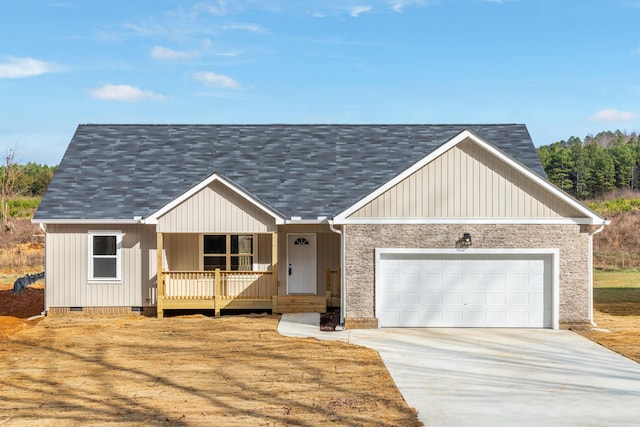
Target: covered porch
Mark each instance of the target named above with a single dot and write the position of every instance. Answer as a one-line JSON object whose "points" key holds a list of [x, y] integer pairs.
{"points": [[220, 248], [250, 281]]}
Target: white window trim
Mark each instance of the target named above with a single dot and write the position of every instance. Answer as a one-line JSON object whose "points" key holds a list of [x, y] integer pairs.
{"points": [[254, 265], [118, 236]]}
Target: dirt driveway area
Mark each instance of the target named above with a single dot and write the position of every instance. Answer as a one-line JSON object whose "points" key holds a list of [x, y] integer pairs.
{"points": [[233, 370]]}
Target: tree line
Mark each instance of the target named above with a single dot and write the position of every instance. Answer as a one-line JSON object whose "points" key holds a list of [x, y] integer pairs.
{"points": [[20, 181], [28, 180], [594, 166]]}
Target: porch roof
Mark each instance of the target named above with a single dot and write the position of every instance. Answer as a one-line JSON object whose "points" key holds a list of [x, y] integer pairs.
{"points": [[118, 172]]}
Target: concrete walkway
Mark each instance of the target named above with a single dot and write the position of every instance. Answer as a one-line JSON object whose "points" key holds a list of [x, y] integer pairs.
{"points": [[495, 377]]}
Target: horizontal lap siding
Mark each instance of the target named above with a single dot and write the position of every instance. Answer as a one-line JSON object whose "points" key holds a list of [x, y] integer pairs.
{"points": [[216, 209], [467, 182], [67, 261]]}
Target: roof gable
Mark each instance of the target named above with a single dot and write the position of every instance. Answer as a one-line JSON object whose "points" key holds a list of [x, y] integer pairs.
{"points": [[468, 178], [190, 211], [119, 172]]}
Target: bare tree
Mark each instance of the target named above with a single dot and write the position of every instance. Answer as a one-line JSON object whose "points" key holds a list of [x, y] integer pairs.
{"points": [[7, 182]]}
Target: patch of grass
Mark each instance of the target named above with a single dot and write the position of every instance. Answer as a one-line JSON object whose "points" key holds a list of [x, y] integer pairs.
{"points": [[616, 295], [612, 287], [616, 279]]}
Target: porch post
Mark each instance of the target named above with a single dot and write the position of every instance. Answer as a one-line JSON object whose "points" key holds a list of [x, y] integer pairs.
{"points": [[160, 275], [274, 263], [218, 293], [274, 270]]}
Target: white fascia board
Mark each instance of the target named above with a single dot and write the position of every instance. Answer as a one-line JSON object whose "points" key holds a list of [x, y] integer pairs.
{"points": [[469, 221], [85, 221], [593, 217], [153, 218], [304, 221]]}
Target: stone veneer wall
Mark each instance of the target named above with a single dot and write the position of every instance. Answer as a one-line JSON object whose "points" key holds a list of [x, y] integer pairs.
{"points": [[362, 240]]}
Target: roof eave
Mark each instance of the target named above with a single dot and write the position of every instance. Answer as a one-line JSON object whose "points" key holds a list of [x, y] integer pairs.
{"points": [[86, 221]]}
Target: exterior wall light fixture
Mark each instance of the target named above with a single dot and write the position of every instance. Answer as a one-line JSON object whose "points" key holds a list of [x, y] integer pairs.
{"points": [[464, 241]]}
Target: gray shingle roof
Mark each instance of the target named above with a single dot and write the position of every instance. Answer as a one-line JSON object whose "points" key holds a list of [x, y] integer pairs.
{"points": [[122, 171]]}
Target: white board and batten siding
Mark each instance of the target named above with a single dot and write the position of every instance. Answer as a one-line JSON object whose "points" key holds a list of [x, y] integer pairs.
{"points": [[473, 288], [67, 263], [216, 209], [466, 182]]}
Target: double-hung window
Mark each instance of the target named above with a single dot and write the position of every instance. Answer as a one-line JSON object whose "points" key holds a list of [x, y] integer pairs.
{"points": [[234, 252], [105, 249]]}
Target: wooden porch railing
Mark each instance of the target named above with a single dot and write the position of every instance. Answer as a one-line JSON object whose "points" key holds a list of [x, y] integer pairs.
{"points": [[225, 284], [216, 290]]}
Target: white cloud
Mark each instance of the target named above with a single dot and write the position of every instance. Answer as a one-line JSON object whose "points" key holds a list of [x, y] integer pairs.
{"points": [[15, 68], [357, 10], [212, 79], [220, 8], [611, 115], [165, 53], [124, 93], [399, 6], [146, 29], [254, 28]]}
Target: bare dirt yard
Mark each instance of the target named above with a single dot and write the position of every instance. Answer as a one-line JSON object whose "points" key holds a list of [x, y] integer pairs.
{"points": [[186, 370]]}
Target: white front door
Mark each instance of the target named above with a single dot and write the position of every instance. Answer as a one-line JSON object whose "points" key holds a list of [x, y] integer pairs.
{"points": [[301, 263]]}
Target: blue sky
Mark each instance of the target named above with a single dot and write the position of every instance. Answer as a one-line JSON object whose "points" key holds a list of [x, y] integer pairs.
{"points": [[563, 67]]}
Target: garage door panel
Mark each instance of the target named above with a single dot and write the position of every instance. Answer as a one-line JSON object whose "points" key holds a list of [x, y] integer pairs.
{"points": [[498, 318], [452, 298], [390, 280], [409, 299], [433, 298], [390, 301], [434, 280], [472, 281], [475, 298], [451, 318], [410, 318], [497, 280], [448, 290], [518, 298], [496, 298]]}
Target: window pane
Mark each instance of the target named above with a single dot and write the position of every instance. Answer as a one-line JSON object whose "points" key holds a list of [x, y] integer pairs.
{"points": [[104, 268], [216, 244], [242, 263], [242, 245], [213, 262], [104, 245], [245, 245]]}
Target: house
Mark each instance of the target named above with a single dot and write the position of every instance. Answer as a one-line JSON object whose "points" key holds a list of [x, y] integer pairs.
{"points": [[398, 225]]}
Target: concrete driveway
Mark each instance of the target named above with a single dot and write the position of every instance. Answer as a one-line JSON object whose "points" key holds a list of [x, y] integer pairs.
{"points": [[491, 377]]}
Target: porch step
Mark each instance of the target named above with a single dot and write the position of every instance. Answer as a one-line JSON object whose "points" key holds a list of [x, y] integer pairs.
{"points": [[300, 304]]}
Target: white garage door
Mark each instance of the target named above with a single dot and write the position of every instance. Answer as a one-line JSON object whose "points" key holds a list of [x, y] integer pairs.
{"points": [[464, 290]]}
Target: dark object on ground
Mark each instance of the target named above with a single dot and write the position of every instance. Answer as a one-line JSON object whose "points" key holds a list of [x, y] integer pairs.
{"points": [[24, 281], [330, 319]]}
